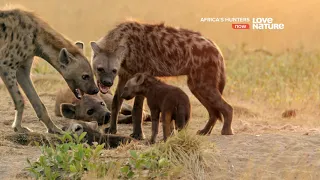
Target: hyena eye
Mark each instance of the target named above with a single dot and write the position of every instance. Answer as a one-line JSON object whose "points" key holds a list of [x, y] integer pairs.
{"points": [[85, 77], [102, 104], [90, 112], [114, 71], [100, 69]]}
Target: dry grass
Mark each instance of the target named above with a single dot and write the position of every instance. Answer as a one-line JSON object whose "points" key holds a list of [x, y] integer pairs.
{"points": [[268, 72], [186, 153]]}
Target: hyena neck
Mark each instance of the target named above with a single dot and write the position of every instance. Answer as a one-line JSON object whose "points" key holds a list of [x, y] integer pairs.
{"points": [[49, 44], [150, 87]]}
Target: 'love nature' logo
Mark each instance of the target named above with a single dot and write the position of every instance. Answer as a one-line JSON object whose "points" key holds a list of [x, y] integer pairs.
{"points": [[265, 23], [244, 23]]}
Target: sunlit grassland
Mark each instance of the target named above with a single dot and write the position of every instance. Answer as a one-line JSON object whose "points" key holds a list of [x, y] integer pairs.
{"points": [[288, 79]]}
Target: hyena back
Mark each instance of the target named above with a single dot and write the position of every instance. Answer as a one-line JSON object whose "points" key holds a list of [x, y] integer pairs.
{"points": [[24, 35], [160, 50]]}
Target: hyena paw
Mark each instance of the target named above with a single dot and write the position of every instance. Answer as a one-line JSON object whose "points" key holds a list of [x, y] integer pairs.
{"points": [[227, 131], [203, 132], [109, 130], [138, 136], [22, 129], [55, 130], [152, 141]]}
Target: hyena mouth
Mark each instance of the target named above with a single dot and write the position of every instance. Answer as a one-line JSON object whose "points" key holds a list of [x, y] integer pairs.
{"points": [[103, 89], [78, 93]]}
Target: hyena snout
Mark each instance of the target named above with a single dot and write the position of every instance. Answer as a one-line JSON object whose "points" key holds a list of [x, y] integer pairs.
{"points": [[107, 82], [106, 120], [74, 129], [126, 95], [94, 90]]}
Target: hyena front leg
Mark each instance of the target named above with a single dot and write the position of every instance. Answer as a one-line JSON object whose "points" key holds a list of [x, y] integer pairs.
{"points": [[213, 114], [23, 77], [116, 106], [155, 125], [137, 118], [8, 76]]}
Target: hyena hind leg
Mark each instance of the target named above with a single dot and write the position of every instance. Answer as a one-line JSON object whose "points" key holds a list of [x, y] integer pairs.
{"points": [[213, 101], [214, 104], [166, 124], [23, 77], [8, 76]]}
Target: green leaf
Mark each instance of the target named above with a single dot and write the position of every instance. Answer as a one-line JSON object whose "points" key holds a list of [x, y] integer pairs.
{"points": [[130, 174], [82, 136], [133, 154], [98, 149], [73, 168], [68, 137], [124, 169], [59, 158]]}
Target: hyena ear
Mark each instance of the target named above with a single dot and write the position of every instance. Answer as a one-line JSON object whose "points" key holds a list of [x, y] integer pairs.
{"points": [[80, 45], [140, 79], [93, 125], [95, 47], [64, 57], [68, 110]]}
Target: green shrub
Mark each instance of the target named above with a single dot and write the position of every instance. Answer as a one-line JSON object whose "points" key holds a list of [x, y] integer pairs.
{"points": [[147, 164], [68, 160], [73, 158]]}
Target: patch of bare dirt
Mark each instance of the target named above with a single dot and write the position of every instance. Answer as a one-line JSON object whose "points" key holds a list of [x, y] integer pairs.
{"points": [[265, 145]]}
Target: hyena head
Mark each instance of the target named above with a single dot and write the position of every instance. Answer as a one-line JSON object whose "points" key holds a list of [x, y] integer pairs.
{"points": [[135, 86], [105, 65], [88, 108], [79, 127], [77, 72]]}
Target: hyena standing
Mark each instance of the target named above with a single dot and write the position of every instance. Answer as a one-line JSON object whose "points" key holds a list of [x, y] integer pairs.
{"points": [[23, 35], [160, 50]]}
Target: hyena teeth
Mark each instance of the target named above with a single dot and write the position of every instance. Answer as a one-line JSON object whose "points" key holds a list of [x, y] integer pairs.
{"points": [[78, 93], [104, 89]]}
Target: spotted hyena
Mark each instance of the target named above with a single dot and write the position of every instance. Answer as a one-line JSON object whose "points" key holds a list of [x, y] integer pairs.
{"points": [[24, 35], [91, 107], [170, 101], [160, 50], [94, 135]]}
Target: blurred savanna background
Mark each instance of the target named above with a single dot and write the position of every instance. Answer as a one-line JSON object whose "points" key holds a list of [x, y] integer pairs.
{"points": [[272, 76]]}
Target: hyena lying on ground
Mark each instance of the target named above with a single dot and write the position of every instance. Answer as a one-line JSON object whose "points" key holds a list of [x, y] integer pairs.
{"points": [[91, 107], [160, 50], [23, 35], [170, 101], [93, 135]]}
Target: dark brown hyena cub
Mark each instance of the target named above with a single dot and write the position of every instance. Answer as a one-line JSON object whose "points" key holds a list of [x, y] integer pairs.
{"points": [[171, 101]]}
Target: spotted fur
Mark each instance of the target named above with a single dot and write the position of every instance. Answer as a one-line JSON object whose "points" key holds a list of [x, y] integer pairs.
{"points": [[24, 35], [161, 50]]}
